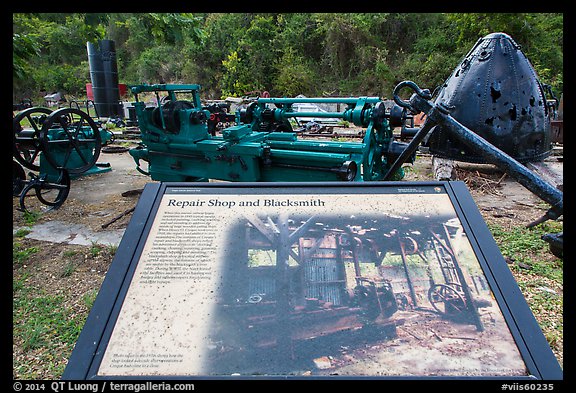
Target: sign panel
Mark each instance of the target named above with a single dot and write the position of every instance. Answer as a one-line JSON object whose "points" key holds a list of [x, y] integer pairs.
{"points": [[308, 280]]}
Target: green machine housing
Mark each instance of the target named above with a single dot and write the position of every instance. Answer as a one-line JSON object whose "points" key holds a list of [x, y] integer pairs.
{"points": [[262, 145]]}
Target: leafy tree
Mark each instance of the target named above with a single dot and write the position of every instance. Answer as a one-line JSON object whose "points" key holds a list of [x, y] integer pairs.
{"points": [[150, 46], [25, 48], [295, 76], [302, 34], [250, 66], [286, 54], [204, 60], [235, 80], [51, 49]]}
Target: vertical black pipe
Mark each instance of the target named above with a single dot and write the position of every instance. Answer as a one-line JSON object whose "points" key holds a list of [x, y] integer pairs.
{"points": [[104, 77]]}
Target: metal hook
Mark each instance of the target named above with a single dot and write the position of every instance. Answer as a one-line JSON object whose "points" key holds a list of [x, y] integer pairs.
{"points": [[412, 85]]}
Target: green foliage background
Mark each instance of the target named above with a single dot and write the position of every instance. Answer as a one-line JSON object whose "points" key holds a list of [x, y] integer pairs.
{"points": [[231, 54]]}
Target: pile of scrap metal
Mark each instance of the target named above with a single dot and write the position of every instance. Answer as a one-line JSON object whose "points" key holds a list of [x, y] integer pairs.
{"points": [[491, 109], [294, 279]]}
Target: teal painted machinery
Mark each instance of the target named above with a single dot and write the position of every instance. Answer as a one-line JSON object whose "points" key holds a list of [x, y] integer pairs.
{"points": [[59, 145], [178, 143]]}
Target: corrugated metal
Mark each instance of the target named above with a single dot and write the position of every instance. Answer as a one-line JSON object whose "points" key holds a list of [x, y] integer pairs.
{"points": [[261, 286], [323, 279]]}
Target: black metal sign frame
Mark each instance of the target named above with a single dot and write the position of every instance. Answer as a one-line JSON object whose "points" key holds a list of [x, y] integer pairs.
{"points": [[89, 356]]}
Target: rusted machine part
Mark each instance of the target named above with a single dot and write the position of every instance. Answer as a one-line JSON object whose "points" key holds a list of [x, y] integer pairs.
{"points": [[447, 299], [557, 130], [439, 114], [557, 123], [409, 245], [496, 93]]}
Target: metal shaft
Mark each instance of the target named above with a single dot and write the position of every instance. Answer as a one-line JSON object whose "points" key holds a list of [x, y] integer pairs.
{"points": [[492, 154], [409, 150], [319, 100]]}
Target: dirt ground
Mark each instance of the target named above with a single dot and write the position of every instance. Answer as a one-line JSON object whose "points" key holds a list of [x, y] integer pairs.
{"points": [[95, 200], [426, 345], [98, 200]]}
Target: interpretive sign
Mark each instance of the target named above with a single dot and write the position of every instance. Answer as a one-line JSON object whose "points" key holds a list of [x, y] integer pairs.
{"points": [[378, 280]]}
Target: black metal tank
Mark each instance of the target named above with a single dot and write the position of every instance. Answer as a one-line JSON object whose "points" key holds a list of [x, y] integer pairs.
{"points": [[495, 92], [104, 76]]}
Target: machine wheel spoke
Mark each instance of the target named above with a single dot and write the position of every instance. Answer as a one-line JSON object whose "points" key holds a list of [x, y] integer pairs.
{"points": [[26, 141], [83, 140]]}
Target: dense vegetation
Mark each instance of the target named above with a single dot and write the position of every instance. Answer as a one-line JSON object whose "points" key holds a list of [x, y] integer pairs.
{"points": [[231, 54]]}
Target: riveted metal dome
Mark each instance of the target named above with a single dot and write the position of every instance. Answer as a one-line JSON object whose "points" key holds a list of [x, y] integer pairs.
{"points": [[495, 92]]}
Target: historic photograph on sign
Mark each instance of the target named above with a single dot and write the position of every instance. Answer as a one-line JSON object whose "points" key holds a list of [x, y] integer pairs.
{"points": [[333, 284]]}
